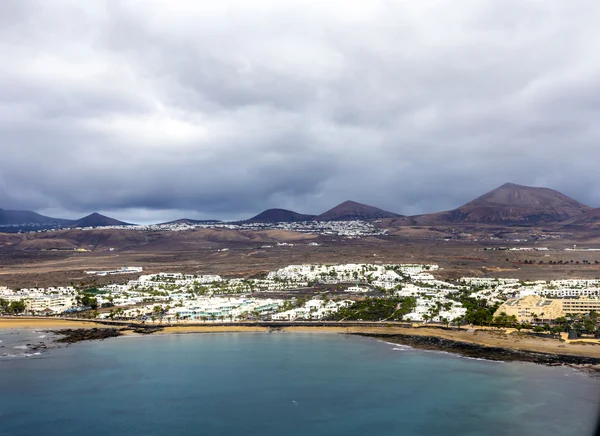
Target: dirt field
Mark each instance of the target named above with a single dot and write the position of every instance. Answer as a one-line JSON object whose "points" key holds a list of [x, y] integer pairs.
{"points": [[51, 259], [48, 268]]}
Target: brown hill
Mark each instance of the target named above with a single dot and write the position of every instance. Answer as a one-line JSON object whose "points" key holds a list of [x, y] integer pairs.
{"points": [[279, 216], [590, 218], [189, 221], [148, 241], [97, 239], [351, 210], [97, 220], [8, 239], [46, 244], [26, 218], [511, 204]]}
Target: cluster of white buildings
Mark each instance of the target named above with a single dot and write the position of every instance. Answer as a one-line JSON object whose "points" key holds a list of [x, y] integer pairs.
{"points": [[193, 298], [204, 309], [433, 303], [175, 296], [500, 289], [312, 310], [175, 283], [380, 276], [43, 300], [437, 309], [124, 270], [349, 229]]}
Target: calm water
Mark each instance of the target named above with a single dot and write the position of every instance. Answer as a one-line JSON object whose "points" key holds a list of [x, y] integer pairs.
{"points": [[284, 384]]}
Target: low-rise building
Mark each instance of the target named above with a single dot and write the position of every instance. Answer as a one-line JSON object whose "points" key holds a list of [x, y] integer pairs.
{"points": [[57, 304], [356, 289], [532, 307], [581, 305]]}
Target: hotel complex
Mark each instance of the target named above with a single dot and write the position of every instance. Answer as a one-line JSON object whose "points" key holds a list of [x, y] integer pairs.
{"points": [[534, 307]]}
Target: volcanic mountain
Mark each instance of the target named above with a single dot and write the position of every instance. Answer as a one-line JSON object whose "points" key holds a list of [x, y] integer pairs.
{"points": [[279, 216], [512, 204], [189, 221], [28, 218], [590, 218], [97, 220], [351, 210]]}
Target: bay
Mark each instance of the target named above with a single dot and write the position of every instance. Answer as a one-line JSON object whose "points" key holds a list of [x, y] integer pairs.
{"points": [[285, 384]]}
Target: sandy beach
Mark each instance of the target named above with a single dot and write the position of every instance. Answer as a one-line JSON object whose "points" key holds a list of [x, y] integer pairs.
{"points": [[44, 323], [508, 339], [491, 338]]}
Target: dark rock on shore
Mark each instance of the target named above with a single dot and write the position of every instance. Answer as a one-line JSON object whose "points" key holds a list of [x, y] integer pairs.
{"points": [[71, 336], [484, 352], [37, 347], [147, 330]]}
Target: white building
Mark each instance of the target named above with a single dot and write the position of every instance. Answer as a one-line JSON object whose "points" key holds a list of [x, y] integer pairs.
{"points": [[356, 289]]}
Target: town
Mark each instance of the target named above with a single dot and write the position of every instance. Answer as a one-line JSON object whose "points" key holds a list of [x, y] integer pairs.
{"points": [[360, 292], [349, 229]]}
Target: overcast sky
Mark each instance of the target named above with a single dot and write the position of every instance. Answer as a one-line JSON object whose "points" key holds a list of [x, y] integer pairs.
{"points": [[155, 110]]}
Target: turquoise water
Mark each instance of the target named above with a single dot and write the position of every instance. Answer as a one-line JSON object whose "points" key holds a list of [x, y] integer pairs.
{"points": [[285, 384]]}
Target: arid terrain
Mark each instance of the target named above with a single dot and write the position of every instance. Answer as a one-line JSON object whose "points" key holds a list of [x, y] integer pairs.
{"points": [[513, 231], [46, 259]]}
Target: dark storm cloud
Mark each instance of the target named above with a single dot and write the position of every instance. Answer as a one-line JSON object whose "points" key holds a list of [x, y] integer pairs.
{"points": [[221, 109]]}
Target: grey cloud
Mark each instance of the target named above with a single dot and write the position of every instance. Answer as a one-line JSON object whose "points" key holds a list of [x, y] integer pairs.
{"points": [[222, 110]]}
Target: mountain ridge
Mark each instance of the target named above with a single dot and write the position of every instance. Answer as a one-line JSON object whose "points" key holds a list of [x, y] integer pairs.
{"points": [[280, 216], [351, 210], [97, 220], [507, 204], [190, 221], [27, 217], [511, 203]]}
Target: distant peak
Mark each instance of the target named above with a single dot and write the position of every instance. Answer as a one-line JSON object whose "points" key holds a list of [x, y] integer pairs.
{"points": [[518, 203], [276, 209], [97, 220], [352, 210], [280, 215]]}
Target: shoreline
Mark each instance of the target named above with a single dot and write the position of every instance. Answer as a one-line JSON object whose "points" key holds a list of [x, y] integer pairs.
{"points": [[590, 365], [488, 344]]}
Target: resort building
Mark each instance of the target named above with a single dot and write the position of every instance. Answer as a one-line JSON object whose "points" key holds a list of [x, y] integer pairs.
{"points": [[581, 305], [54, 304], [571, 292], [532, 307]]}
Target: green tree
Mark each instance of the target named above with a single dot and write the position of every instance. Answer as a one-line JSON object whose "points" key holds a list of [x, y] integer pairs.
{"points": [[16, 307], [89, 301]]}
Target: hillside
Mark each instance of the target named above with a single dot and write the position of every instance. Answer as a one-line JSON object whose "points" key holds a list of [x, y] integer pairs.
{"points": [[28, 218], [351, 210], [279, 216], [97, 220], [126, 239], [189, 221], [590, 218], [511, 204]]}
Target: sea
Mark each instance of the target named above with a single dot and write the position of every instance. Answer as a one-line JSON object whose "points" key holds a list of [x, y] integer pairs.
{"points": [[284, 384]]}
